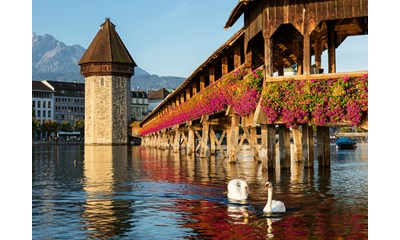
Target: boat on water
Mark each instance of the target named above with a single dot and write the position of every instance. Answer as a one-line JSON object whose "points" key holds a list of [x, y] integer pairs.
{"points": [[346, 143]]}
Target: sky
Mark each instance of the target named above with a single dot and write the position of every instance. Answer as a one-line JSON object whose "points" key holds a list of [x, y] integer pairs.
{"points": [[174, 37], [167, 38]]}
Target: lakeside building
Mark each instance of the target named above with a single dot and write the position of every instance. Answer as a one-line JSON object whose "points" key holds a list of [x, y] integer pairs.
{"points": [[42, 101], [156, 97], [139, 105], [69, 100], [65, 101]]}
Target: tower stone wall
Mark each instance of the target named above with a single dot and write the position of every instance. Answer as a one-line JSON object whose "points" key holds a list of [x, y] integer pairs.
{"points": [[107, 111]]}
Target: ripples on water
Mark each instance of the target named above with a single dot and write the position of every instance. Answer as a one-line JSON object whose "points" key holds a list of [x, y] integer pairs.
{"points": [[120, 192]]}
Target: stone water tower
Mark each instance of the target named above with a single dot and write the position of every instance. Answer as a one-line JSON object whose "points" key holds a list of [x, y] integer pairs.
{"points": [[107, 67]]}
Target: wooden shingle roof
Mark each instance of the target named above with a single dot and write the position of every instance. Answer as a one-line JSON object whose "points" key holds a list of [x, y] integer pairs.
{"points": [[107, 47]]}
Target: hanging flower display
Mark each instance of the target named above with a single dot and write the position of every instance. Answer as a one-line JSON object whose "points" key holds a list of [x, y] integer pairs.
{"points": [[239, 89], [290, 102], [334, 100]]}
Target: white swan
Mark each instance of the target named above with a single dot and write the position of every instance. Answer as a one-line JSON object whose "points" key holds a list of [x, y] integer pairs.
{"points": [[238, 189], [273, 205]]}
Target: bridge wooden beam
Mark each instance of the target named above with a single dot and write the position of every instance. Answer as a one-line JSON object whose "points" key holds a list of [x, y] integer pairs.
{"points": [[251, 136]]}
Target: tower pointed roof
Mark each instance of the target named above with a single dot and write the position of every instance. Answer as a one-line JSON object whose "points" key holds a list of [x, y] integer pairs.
{"points": [[107, 47]]}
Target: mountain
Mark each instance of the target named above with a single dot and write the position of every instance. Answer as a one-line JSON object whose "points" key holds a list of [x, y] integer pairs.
{"points": [[54, 60]]}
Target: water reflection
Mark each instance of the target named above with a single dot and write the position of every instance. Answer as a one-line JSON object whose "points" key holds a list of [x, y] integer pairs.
{"points": [[269, 234], [105, 215], [238, 214], [143, 193]]}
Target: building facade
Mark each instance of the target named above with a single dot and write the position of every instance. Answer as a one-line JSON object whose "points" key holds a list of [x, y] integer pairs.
{"points": [[42, 101], [139, 105], [69, 101], [156, 97]]}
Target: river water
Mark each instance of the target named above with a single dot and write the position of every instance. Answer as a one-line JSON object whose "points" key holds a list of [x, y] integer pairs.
{"points": [[125, 192]]}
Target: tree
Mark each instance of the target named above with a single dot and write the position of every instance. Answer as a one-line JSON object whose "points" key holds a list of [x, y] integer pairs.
{"points": [[35, 126], [79, 126], [50, 126], [65, 126]]}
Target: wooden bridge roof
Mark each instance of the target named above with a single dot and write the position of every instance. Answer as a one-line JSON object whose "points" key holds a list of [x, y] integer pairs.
{"points": [[107, 47], [237, 12]]}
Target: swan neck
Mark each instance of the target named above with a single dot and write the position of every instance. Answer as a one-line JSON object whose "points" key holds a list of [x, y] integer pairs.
{"points": [[269, 202]]}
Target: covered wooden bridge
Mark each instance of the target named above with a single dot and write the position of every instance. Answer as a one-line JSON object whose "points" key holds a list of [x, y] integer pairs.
{"points": [[241, 93]]}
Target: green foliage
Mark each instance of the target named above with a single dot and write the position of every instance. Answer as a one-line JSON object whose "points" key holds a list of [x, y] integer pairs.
{"points": [[65, 126], [79, 126], [50, 126]]}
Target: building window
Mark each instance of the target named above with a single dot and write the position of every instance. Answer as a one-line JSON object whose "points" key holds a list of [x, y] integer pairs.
{"points": [[38, 104], [38, 113], [44, 113], [49, 114], [33, 103], [49, 104], [44, 104]]}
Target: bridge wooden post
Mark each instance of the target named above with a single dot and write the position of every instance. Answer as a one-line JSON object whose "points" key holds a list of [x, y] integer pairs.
{"points": [[158, 142], [323, 146], [263, 149], [228, 139], [254, 143], [205, 136], [191, 142], [297, 151], [177, 139], [150, 141], [233, 141], [307, 145], [271, 146], [163, 142], [167, 139], [154, 140], [284, 147], [250, 132], [170, 136], [212, 141]]}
